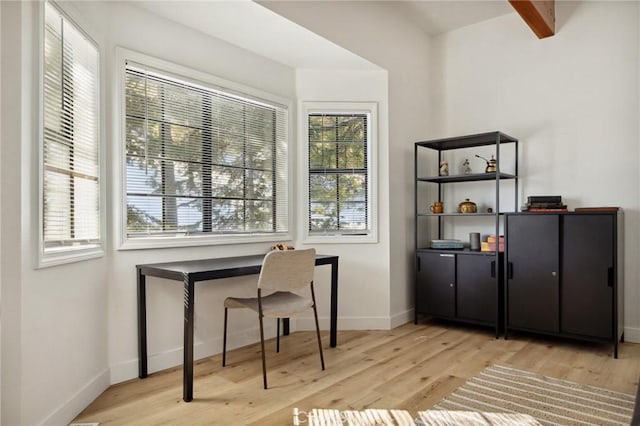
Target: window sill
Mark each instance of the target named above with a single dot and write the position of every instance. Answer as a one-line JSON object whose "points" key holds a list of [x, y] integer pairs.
{"points": [[371, 238], [146, 243], [62, 256]]}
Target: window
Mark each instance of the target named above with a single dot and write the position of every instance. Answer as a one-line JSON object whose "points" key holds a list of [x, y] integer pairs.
{"points": [[201, 161], [339, 139], [70, 157]]}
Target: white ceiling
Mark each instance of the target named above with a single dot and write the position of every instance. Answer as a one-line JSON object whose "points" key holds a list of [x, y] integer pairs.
{"points": [[253, 27], [436, 17]]}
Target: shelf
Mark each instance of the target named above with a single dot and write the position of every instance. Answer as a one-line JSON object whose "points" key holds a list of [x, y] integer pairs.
{"points": [[458, 251], [481, 139], [460, 214], [466, 178]]}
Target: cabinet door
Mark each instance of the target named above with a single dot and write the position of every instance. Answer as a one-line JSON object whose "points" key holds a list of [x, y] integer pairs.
{"points": [[587, 275], [476, 287], [435, 284], [532, 272]]}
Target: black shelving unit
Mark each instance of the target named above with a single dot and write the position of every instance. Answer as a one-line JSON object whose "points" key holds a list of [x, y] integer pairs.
{"points": [[445, 283]]}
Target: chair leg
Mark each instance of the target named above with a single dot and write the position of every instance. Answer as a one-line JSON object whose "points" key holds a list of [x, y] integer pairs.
{"points": [[264, 362], [224, 340], [315, 314], [277, 334]]}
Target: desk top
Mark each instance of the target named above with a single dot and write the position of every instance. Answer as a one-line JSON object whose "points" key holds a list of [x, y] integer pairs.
{"points": [[209, 269]]}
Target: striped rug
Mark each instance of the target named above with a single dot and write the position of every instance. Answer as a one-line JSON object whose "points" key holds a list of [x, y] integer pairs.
{"points": [[550, 401], [384, 417]]}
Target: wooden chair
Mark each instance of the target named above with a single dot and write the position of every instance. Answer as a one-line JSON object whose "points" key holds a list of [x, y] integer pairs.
{"points": [[283, 272]]}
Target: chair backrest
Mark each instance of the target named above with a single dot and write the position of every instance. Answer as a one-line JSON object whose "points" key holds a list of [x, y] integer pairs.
{"points": [[287, 270]]}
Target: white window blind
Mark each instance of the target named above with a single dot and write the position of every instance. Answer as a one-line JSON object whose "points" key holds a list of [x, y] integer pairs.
{"points": [[338, 173], [71, 148], [200, 160]]}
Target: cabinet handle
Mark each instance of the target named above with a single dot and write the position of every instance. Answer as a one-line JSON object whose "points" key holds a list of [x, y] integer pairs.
{"points": [[446, 255], [553, 273], [610, 277], [419, 264], [509, 270], [493, 269], [450, 284]]}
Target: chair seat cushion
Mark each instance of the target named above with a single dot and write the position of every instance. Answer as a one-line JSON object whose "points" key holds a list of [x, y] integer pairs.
{"points": [[281, 304]]}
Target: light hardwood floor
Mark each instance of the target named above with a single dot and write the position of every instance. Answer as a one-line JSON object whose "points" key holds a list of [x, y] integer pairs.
{"points": [[411, 367]]}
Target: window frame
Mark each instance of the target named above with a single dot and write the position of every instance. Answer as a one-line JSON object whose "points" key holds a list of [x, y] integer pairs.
{"points": [[337, 108], [68, 254], [124, 242]]}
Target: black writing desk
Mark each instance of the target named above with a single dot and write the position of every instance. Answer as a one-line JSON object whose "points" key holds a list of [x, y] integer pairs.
{"points": [[191, 271]]}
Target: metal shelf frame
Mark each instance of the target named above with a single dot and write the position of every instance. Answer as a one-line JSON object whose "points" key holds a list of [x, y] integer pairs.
{"points": [[496, 139]]}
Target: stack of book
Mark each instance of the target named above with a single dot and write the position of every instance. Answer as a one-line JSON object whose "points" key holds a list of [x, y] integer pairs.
{"points": [[490, 244], [544, 203], [447, 244]]}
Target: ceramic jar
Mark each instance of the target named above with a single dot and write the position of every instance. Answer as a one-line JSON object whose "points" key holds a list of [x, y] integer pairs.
{"points": [[467, 207]]}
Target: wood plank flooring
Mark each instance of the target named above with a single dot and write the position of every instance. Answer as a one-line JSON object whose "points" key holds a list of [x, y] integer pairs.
{"points": [[411, 367]]}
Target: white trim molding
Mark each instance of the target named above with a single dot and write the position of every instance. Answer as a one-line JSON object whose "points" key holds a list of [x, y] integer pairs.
{"points": [[369, 108]]}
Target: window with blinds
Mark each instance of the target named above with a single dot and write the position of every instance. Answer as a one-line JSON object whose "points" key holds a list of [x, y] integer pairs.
{"points": [[70, 138], [200, 160], [338, 173]]}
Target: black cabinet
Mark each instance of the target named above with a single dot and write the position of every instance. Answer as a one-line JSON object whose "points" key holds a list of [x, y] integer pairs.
{"points": [[476, 288], [436, 289], [460, 286], [588, 275], [532, 273], [564, 274]]}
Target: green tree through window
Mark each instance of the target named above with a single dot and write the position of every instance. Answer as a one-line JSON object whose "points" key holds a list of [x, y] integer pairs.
{"points": [[338, 173], [201, 161]]}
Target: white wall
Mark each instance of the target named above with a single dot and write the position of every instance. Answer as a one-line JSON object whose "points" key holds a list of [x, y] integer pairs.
{"points": [[364, 268], [380, 33], [138, 30], [571, 99], [10, 219], [0, 218], [54, 319]]}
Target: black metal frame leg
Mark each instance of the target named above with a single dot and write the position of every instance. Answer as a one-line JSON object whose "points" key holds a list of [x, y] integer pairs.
{"points": [[142, 325], [187, 368], [333, 332]]}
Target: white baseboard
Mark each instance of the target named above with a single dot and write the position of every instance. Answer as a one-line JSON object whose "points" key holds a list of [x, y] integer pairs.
{"points": [[357, 323], [632, 334], [171, 358], [79, 401], [344, 323], [402, 318], [174, 357]]}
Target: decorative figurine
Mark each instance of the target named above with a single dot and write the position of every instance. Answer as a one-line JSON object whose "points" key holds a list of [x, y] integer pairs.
{"points": [[466, 168], [444, 168]]}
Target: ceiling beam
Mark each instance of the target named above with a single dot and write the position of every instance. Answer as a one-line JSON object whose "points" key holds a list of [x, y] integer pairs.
{"points": [[540, 15]]}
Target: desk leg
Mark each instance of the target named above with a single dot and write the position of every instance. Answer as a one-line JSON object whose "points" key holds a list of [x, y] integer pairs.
{"points": [[142, 325], [187, 367], [333, 333]]}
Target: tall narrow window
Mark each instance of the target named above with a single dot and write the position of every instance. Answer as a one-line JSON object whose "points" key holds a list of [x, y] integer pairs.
{"points": [[339, 155], [202, 161], [70, 139]]}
